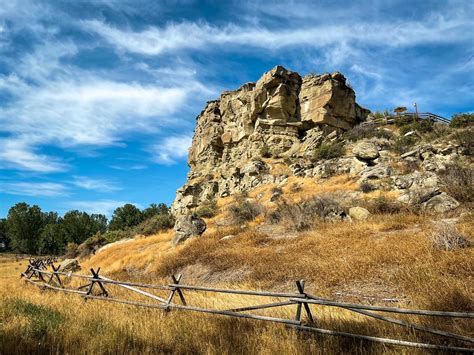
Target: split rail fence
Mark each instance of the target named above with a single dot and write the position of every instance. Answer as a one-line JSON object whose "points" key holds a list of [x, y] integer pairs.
{"points": [[391, 119], [95, 288]]}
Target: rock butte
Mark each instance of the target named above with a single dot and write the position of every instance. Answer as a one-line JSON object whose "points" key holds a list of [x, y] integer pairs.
{"points": [[282, 114]]}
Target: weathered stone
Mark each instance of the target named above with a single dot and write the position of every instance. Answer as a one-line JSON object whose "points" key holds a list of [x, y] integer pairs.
{"points": [[69, 265], [440, 203], [359, 213], [280, 115], [366, 150], [187, 227]]}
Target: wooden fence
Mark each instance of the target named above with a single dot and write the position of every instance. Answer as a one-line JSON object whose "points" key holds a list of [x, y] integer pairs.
{"points": [[95, 288], [391, 119]]}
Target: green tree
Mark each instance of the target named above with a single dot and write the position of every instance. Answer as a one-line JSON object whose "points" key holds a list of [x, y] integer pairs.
{"points": [[78, 226], [155, 210], [4, 239], [125, 217], [24, 227], [52, 240]]}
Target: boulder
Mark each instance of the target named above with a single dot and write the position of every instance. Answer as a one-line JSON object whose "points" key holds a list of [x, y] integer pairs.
{"points": [[188, 227], [366, 150], [440, 203], [359, 213], [69, 265]]}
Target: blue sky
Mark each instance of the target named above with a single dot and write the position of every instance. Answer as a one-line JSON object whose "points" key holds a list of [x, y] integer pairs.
{"points": [[98, 98]]}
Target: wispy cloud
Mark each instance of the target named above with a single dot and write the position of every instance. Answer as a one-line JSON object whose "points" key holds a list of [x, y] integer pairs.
{"points": [[200, 35], [35, 189], [95, 184], [171, 149]]}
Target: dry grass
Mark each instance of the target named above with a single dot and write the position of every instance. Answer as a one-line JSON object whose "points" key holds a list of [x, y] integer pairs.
{"points": [[387, 256]]}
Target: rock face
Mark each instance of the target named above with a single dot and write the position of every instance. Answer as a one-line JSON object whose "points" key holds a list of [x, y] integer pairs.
{"points": [[187, 227], [281, 115]]}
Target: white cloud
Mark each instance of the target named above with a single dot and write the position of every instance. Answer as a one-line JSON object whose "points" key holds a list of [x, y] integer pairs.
{"points": [[36, 189], [95, 184], [105, 207], [171, 149], [18, 153], [200, 35], [63, 106]]}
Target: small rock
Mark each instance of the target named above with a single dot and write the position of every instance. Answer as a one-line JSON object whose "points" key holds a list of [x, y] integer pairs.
{"points": [[366, 151], [69, 265], [411, 153], [227, 237], [359, 213]]}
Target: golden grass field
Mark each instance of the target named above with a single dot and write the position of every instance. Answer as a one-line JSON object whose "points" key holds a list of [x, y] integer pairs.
{"points": [[387, 256]]}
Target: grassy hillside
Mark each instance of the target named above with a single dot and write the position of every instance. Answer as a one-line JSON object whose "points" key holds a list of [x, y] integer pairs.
{"points": [[390, 255]]}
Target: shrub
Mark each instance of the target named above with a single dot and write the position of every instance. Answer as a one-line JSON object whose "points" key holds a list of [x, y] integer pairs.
{"points": [[404, 144], [465, 138], [366, 187], [265, 151], [329, 151], [460, 120], [244, 210], [418, 125], [154, 225], [382, 205], [207, 210], [365, 132], [458, 182], [71, 250], [446, 237], [303, 215]]}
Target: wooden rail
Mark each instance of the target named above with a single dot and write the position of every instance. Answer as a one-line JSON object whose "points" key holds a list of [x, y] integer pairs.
{"points": [[391, 119], [38, 276]]}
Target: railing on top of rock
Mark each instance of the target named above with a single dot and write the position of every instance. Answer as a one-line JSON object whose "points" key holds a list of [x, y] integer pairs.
{"points": [[36, 275], [391, 119]]}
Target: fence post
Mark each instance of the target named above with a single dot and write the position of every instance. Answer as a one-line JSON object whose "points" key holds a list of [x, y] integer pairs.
{"points": [[176, 281], [95, 279], [300, 286]]}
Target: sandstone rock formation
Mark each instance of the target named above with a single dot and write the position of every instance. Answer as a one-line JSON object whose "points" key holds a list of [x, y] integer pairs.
{"points": [[281, 115]]}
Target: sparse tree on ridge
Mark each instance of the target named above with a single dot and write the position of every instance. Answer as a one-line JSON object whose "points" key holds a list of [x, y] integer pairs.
{"points": [[125, 217]]}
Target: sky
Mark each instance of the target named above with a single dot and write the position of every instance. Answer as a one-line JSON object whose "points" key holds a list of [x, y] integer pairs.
{"points": [[98, 98]]}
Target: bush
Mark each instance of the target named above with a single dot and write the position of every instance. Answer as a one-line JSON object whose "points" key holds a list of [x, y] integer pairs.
{"points": [[329, 151], [381, 205], [207, 210], [418, 125], [447, 237], [366, 187], [365, 132], [154, 225], [458, 182], [303, 215], [71, 250], [460, 120], [404, 144], [244, 210], [465, 138]]}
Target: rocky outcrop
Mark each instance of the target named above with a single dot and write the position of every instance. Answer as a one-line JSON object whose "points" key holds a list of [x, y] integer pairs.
{"points": [[281, 115]]}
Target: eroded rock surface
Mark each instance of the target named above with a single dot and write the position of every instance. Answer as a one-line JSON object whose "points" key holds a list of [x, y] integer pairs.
{"points": [[281, 115]]}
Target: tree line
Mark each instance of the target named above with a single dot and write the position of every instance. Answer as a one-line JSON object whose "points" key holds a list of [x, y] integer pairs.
{"points": [[27, 229]]}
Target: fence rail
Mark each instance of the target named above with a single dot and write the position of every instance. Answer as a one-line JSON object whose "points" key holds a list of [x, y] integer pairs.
{"points": [[95, 289], [391, 119]]}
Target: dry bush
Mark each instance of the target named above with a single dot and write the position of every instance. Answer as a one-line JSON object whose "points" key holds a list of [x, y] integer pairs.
{"points": [[366, 132], [383, 205], [329, 151], [301, 216], [244, 210], [207, 210], [366, 187], [458, 182], [446, 237]]}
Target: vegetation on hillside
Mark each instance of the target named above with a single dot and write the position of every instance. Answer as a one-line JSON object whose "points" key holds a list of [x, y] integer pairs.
{"points": [[27, 229]]}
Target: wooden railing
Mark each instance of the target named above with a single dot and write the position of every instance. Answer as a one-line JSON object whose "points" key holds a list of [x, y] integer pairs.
{"points": [[95, 288], [391, 119]]}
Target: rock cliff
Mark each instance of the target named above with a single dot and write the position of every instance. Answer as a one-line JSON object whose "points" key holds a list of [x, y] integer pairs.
{"points": [[282, 115]]}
